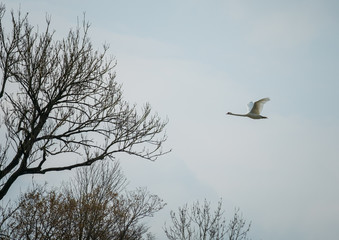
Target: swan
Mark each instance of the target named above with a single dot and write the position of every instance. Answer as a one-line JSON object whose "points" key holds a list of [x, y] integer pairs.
{"points": [[254, 109]]}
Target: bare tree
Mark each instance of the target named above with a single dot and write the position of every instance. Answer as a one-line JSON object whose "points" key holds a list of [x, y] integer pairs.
{"points": [[61, 107], [101, 211], [102, 177], [200, 223], [135, 206], [237, 227]]}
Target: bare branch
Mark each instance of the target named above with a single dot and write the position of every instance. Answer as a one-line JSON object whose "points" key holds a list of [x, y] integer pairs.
{"points": [[200, 223], [60, 99]]}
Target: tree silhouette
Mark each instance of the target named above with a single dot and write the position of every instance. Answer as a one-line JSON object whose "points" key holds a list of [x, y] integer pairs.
{"points": [[199, 222], [61, 107]]}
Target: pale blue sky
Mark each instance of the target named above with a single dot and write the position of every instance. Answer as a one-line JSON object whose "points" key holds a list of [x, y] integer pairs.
{"points": [[196, 60]]}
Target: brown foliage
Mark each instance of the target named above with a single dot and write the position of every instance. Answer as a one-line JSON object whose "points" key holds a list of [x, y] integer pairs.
{"points": [[82, 212]]}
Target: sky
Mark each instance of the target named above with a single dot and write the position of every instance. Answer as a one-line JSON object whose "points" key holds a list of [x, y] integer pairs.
{"points": [[195, 60]]}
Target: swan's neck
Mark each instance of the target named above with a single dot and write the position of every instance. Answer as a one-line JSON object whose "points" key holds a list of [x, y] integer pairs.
{"points": [[235, 114]]}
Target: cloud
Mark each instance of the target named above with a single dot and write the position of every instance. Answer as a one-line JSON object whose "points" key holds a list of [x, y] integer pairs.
{"points": [[283, 29], [276, 25], [281, 172]]}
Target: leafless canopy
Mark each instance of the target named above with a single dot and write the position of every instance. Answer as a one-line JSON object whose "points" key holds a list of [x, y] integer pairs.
{"points": [[201, 223], [61, 107]]}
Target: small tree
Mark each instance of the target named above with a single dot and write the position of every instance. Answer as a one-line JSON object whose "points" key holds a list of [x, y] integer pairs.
{"points": [[200, 223], [59, 100], [132, 208], [101, 211]]}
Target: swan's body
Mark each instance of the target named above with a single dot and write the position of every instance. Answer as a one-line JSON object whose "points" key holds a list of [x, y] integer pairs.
{"points": [[254, 109]]}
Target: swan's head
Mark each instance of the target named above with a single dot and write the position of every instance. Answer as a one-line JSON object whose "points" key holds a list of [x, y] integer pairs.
{"points": [[228, 113]]}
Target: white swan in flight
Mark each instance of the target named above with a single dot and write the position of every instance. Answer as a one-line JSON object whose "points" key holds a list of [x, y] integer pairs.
{"points": [[254, 109]]}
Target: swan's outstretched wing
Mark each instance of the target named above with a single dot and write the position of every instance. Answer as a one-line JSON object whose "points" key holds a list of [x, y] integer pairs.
{"points": [[250, 106], [258, 105]]}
